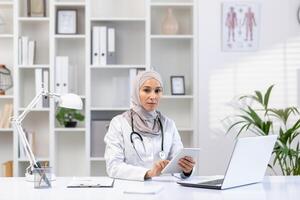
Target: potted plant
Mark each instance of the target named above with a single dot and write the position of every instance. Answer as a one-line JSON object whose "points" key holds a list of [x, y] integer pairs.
{"points": [[257, 117], [68, 117]]}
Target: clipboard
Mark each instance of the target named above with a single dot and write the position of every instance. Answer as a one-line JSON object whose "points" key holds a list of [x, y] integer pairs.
{"points": [[91, 182]]}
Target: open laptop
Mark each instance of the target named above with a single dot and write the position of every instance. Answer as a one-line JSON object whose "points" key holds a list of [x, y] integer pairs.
{"points": [[247, 164]]}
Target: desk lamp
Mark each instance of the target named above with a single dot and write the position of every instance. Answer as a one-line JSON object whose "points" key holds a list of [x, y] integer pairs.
{"points": [[69, 100]]}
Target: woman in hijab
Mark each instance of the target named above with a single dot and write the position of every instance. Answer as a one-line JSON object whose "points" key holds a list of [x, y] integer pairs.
{"points": [[141, 141]]}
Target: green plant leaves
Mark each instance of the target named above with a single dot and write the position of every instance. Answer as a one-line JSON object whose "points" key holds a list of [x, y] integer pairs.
{"points": [[261, 121], [65, 115]]}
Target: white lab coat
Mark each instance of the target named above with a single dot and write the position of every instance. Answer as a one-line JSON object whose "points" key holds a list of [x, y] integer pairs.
{"points": [[122, 160]]}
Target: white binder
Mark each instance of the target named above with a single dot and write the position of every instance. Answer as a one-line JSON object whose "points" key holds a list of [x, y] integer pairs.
{"points": [[65, 74], [61, 74], [46, 86], [103, 45], [24, 50], [20, 50], [31, 52], [96, 45], [38, 85], [111, 45]]}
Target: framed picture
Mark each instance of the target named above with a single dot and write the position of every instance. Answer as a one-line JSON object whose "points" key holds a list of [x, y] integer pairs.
{"points": [[240, 26], [177, 85], [36, 8], [66, 21]]}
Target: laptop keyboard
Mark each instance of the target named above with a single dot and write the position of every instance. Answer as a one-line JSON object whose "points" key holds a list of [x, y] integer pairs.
{"points": [[213, 182]]}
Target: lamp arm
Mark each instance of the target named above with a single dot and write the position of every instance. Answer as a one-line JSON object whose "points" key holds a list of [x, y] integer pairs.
{"points": [[27, 148], [17, 123], [31, 105]]}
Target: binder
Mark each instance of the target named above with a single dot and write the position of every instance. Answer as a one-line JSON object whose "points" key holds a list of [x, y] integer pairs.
{"points": [[20, 51], [46, 86], [31, 52], [65, 74], [111, 46], [96, 45], [24, 50], [103, 45], [38, 86], [57, 75], [61, 74]]}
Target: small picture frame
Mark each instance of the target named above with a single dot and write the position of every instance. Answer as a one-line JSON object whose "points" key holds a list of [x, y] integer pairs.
{"points": [[177, 85], [36, 8], [66, 21]]}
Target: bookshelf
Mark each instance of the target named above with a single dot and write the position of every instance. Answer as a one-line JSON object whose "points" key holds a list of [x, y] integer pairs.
{"points": [[6, 57], [104, 88]]}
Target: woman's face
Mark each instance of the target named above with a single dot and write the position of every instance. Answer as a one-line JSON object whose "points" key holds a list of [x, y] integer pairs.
{"points": [[150, 93]]}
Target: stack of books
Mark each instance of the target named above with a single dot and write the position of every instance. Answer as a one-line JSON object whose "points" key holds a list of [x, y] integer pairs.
{"points": [[26, 51], [7, 169], [5, 115]]}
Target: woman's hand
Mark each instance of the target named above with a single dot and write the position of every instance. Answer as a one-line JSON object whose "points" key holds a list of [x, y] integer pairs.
{"points": [[156, 169], [187, 164]]}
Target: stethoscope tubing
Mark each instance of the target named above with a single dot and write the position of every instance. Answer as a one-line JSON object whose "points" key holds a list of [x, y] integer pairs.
{"points": [[141, 138]]}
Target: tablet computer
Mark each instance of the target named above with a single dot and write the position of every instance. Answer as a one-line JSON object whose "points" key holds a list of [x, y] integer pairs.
{"points": [[173, 166]]}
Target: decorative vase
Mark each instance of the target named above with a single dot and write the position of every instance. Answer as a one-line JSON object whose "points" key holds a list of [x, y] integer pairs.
{"points": [[169, 24]]}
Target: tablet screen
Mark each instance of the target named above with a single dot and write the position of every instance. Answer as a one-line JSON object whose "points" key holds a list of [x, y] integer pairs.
{"points": [[173, 166]]}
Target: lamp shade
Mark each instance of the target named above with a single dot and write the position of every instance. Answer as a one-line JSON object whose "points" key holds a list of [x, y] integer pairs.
{"points": [[71, 101]]}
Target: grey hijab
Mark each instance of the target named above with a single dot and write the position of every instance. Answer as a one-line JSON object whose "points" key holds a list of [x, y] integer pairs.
{"points": [[144, 122]]}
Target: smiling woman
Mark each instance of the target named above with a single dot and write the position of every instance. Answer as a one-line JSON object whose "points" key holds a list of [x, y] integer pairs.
{"points": [[141, 141]]}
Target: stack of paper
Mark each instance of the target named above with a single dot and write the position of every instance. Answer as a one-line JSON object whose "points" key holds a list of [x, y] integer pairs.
{"points": [[144, 189]]}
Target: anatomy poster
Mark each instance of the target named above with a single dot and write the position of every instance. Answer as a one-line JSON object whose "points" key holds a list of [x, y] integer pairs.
{"points": [[240, 26]]}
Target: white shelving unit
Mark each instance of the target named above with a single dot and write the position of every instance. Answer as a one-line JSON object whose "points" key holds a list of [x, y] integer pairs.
{"points": [[104, 89], [6, 57]]}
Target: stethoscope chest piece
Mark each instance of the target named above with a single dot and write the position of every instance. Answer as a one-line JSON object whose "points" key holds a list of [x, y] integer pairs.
{"points": [[162, 155]]}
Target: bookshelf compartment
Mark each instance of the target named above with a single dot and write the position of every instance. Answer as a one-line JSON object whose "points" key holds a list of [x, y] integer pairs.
{"points": [[6, 58], [70, 154], [23, 8], [176, 54], [75, 51], [6, 14], [184, 107], [80, 22], [187, 138], [118, 9], [183, 15], [37, 123], [27, 86], [41, 37], [80, 124], [6, 111], [129, 41], [6, 148], [110, 88]]}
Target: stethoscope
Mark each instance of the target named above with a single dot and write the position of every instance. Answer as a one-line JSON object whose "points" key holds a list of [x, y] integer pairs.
{"points": [[161, 154]]}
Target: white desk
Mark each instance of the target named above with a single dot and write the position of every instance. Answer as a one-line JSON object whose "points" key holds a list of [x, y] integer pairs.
{"points": [[287, 188]]}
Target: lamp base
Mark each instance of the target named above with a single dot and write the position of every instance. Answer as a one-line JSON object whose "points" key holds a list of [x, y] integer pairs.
{"points": [[30, 177]]}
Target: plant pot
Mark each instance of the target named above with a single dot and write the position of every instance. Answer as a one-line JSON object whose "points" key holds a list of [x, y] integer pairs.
{"points": [[70, 124]]}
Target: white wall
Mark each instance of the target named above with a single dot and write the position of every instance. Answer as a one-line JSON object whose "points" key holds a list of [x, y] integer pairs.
{"points": [[225, 75]]}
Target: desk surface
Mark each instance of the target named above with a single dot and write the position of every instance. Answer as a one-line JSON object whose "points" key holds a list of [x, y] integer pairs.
{"points": [[275, 187]]}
